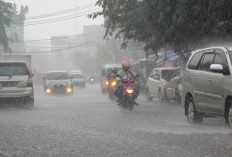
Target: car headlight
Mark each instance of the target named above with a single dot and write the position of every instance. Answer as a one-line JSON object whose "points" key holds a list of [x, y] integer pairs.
{"points": [[69, 90], [48, 90]]}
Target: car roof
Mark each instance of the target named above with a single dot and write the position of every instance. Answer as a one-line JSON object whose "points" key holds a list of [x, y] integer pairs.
{"points": [[112, 65], [76, 72], [12, 62], [209, 48], [57, 72]]}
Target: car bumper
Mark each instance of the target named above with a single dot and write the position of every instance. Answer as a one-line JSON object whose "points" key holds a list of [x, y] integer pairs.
{"points": [[12, 94], [78, 83], [55, 90]]}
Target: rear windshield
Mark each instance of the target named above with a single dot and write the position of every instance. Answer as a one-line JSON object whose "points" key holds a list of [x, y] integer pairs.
{"points": [[109, 70], [167, 74], [77, 75], [57, 76], [15, 69]]}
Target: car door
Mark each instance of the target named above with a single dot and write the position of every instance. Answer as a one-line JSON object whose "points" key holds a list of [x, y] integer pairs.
{"points": [[216, 83], [151, 83], [202, 76], [157, 83]]}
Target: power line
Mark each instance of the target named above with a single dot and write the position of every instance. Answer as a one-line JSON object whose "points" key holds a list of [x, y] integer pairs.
{"points": [[58, 13], [57, 19]]}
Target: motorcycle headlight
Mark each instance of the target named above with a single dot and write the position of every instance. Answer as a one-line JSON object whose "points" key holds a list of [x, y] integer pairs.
{"points": [[130, 91]]}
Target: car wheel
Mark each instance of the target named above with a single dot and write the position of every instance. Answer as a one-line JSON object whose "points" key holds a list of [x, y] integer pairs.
{"points": [[161, 98], [149, 98], [177, 97], [228, 116], [192, 115], [29, 101]]}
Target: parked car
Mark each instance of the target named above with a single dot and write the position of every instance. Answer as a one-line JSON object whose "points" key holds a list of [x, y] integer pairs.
{"points": [[175, 82], [58, 82], [106, 70], [77, 78], [207, 83], [16, 82], [162, 84]]}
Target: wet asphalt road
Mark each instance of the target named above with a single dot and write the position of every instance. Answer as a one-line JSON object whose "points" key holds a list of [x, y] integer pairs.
{"points": [[88, 124]]}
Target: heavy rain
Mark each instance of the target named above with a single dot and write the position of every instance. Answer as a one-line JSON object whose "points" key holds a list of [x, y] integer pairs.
{"points": [[115, 78]]}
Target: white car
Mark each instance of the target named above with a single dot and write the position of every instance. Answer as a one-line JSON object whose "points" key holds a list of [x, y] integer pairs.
{"points": [[162, 84], [16, 82]]}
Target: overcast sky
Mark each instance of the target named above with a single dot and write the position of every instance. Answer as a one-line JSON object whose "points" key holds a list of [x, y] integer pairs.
{"points": [[67, 27]]}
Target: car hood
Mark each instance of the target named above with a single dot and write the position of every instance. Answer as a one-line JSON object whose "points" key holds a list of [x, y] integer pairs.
{"points": [[60, 82]]}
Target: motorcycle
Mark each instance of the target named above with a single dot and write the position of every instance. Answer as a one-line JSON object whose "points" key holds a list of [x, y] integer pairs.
{"points": [[128, 98], [111, 87]]}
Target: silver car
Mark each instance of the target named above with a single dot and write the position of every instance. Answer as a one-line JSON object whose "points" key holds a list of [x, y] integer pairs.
{"points": [[16, 82], [158, 85], [207, 82], [58, 82]]}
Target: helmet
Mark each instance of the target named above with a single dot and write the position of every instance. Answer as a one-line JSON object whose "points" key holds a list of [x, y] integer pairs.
{"points": [[125, 65]]}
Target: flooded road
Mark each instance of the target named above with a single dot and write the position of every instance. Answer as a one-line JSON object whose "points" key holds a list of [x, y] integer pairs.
{"points": [[89, 124]]}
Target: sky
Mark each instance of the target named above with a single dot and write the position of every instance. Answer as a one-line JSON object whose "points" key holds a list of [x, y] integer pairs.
{"points": [[73, 9]]}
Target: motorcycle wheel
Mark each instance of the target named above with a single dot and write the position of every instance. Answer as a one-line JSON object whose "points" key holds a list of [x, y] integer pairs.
{"points": [[130, 104]]}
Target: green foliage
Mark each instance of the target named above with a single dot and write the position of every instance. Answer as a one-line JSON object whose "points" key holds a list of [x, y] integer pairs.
{"points": [[5, 19], [170, 24]]}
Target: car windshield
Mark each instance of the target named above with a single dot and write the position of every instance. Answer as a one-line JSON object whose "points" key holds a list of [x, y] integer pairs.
{"points": [[9, 69], [166, 74], [78, 76], [230, 53], [57, 76]]}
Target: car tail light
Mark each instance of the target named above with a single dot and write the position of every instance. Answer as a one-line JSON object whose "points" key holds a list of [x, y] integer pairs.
{"points": [[29, 81]]}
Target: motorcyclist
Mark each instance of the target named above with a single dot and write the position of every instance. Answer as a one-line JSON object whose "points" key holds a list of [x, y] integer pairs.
{"points": [[125, 74]]}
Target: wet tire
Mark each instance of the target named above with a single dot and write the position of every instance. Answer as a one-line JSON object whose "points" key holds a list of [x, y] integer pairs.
{"points": [[228, 116], [160, 97], [192, 115], [149, 98], [29, 102], [177, 97]]}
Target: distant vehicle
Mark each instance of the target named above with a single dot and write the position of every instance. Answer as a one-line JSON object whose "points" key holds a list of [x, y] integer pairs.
{"points": [[77, 78], [158, 85], [106, 70], [16, 82], [207, 83], [58, 82], [91, 79]]}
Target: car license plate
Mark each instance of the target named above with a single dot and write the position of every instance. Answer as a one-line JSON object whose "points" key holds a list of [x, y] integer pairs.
{"points": [[9, 84]]}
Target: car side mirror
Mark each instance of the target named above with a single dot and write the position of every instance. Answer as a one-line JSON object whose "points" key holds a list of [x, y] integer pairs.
{"points": [[217, 68], [137, 75]]}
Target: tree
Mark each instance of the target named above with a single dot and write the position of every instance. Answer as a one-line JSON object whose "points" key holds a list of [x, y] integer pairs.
{"points": [[5, 19], [170, 24]]}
